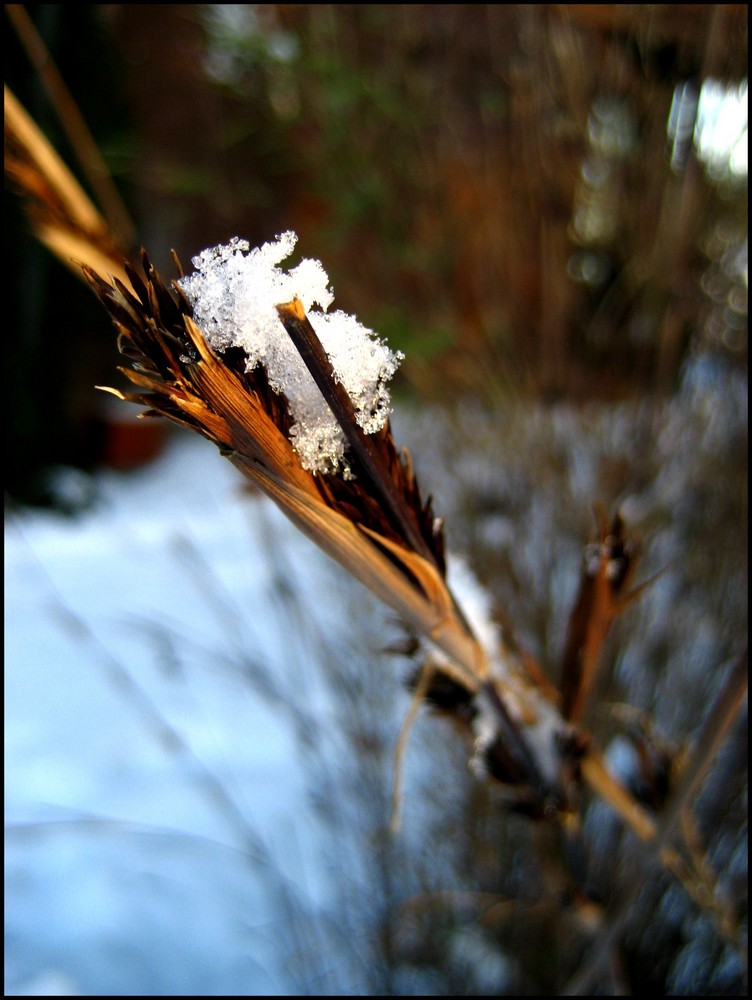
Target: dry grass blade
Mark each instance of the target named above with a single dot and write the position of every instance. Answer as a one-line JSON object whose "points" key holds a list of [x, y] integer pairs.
{"points": [[607, 571], [62, 215], [84, 147], [425, 609]]}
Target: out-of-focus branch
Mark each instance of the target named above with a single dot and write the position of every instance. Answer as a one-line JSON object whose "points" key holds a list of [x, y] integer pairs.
{"points": [[62, 214], [710, 738], [82, 142]]}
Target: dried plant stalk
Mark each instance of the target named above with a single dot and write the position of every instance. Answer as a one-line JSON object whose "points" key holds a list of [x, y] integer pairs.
{"points": [[605, 575], [62, 215], [394, 546], [82, 142], [720, 717], [377, 525]]}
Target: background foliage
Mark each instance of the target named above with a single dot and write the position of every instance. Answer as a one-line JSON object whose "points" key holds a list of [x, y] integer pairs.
{"points": [[511, 194]]}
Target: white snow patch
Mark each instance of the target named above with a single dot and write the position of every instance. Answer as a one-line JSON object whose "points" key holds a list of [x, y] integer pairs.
{"points": [[234, 293]]}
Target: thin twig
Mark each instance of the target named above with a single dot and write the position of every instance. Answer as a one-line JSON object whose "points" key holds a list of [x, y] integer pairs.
{"points": [[421, 689]]}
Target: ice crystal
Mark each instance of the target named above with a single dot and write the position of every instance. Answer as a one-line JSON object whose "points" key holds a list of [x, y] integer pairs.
{"points": [[234, 291]]}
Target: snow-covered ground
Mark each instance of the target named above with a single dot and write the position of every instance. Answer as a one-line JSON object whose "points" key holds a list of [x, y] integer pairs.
{"points": [[158, 834], [200, 724]]}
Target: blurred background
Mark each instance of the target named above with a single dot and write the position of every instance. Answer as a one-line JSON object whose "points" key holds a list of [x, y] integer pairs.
{"points": [[545, 201], [545, 207]]}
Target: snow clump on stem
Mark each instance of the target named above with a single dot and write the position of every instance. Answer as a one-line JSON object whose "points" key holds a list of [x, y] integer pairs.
{"points": [[234, 292]]}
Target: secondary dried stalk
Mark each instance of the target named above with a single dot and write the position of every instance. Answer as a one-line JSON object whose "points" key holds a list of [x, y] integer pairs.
{"points": [[721, 716], [62, 215], [82, 142]]}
